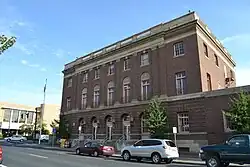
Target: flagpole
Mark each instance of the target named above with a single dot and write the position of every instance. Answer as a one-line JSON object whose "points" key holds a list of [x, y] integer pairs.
{"points": [[42, 112]]}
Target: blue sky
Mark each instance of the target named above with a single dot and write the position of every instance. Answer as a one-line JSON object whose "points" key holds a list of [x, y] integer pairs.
{"points": [[52, 33]]}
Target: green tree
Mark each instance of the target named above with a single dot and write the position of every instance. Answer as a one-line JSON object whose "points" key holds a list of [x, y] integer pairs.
{"points": [[27, 129], [156, 119], [239, 113], [64, 128], [6, 43], [45, 131]]}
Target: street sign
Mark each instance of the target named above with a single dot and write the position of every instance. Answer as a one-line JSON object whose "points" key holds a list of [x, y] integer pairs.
{"points": [[54, 130], [174, 130]]}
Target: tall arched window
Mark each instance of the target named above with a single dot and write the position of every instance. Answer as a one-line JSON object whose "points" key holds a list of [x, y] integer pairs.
{"points": [[145, 86], [110, 93], [84, 98], [96, 99], [126, 90]]}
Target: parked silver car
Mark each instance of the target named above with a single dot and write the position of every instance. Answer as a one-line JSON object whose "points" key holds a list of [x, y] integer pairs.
{"points": [[15, 138], [154, 149]]}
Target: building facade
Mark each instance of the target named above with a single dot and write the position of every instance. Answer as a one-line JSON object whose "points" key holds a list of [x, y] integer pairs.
{"points": [[13, 116], [106, 92]]}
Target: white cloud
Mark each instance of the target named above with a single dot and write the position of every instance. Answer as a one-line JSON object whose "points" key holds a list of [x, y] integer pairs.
{"points": [[43, 69], [60, 53], [237, 38], [24, 62]]}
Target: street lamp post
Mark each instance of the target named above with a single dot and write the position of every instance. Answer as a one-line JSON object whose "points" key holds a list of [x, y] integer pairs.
{"points": [[80, 130]]}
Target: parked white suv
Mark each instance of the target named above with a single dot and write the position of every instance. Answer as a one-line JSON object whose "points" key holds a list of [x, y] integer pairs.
{"points": [[155, 149]]}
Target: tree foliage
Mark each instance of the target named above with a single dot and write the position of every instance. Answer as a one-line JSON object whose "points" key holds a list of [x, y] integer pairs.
{"points": [[6, 43], [239, 113], [64, 128], [55, 124], [27, 129], [156, 118], [45, 131]]}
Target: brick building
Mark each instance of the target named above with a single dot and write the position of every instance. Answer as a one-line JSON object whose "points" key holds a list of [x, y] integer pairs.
{"points": [[180, 61]]}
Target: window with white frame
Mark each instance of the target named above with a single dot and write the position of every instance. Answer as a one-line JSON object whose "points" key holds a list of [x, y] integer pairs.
{"points": [[180, 80], [144, 127], [85, 77], [96, 96], [84, 98], [69, 82], [110, 93], [144, 59], [111, 69], [68, 103], [178, 49], [145, 86], [97, 73], [126, 64], [183, 122], [126, 90]]}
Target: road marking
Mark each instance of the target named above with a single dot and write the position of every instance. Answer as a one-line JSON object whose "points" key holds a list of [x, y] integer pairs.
{"points": [[3, 166], [39, 156]]}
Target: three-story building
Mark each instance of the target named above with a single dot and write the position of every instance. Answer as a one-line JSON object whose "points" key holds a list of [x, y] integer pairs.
{"points": [[106, 92]]}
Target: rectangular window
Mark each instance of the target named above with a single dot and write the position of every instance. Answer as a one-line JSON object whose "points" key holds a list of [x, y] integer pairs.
{"points": [[97, 73], [180, 80], [15, 114], [183, 122], [144, 59], [205, 49], [231, 74], [216, 60], [7, 115], [30, 116], [96, 98], [84, 100], [22, 117], [178, 49], [126, 93], [68, 103], [69, 82], [111, 69], [85, 77], [126, 64], [145, 90], [110, 96], [209, 82]]}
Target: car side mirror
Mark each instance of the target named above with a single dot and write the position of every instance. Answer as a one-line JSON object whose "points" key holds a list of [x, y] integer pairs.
{"points": [[134, 145], [226, 142]]}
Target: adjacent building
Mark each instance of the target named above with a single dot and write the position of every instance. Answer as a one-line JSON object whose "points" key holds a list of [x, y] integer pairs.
{"points": [[181, 62], [13, 116]]}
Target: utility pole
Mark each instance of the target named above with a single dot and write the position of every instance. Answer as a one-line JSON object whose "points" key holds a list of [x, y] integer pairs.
{"points": [[35, 123], [41, 123]]}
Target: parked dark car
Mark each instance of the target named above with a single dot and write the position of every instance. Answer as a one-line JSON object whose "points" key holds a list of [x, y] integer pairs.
{"points": [[235, 150], [95, 149]]}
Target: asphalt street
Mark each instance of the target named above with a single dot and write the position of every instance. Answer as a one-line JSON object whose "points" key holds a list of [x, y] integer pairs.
{"points": [[28, 157]]}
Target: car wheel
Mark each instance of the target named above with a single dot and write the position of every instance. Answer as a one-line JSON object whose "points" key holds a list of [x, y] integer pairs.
{"points": [[78, 151], [169, 161], [95, 154], [213, 161], [8, 140], [126, 156], [156, 158]]}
